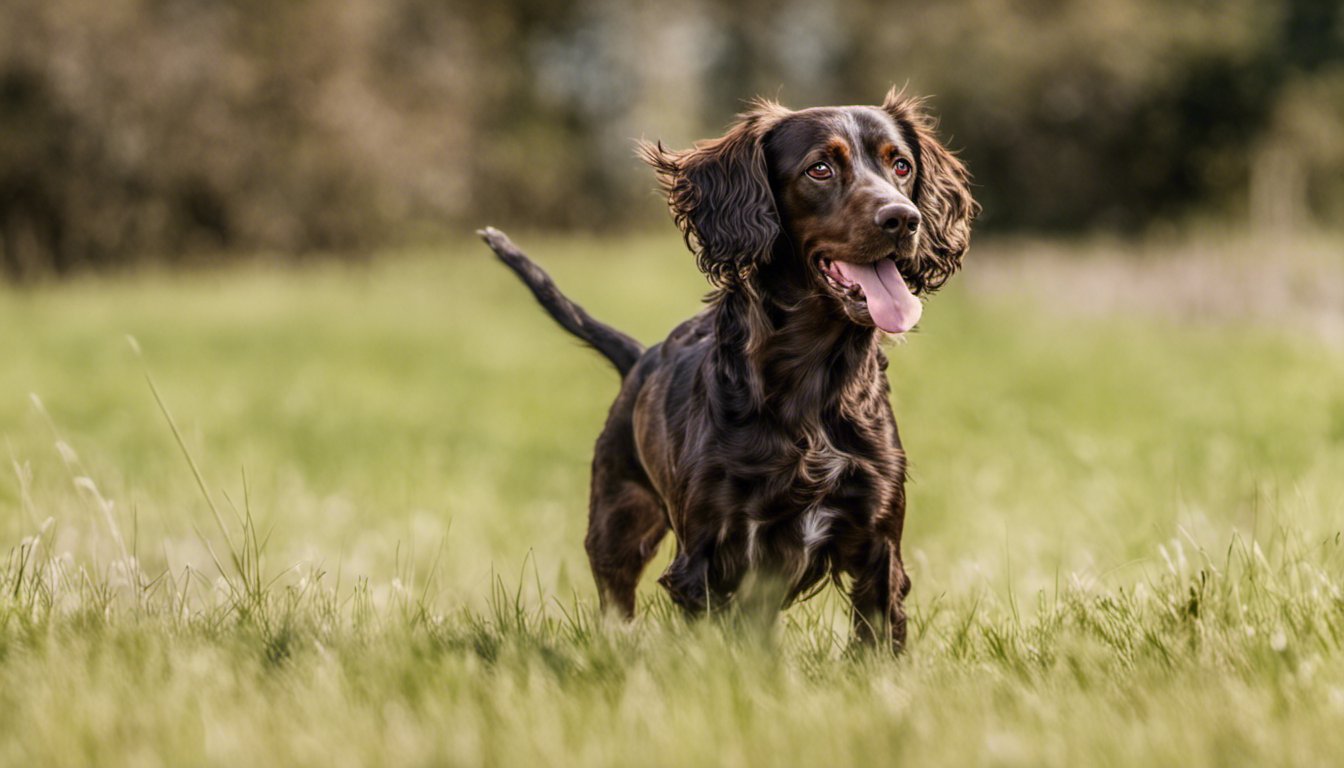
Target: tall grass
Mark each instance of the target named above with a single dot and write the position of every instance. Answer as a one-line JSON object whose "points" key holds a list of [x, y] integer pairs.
{"points": [[340, 523]]}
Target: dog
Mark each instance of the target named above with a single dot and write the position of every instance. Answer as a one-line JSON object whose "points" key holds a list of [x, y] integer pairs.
{"points": [[760, 430]]}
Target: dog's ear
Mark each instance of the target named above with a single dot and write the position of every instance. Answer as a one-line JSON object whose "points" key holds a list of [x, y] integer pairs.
{"points": [[719, 193], [942, 193]]}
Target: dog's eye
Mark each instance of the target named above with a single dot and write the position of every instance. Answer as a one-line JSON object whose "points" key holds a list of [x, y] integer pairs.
{"points": [[902, 167], [820, 171]]}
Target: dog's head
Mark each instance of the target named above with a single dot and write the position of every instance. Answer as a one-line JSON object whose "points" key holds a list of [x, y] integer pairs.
{"points": [[861, 204]]}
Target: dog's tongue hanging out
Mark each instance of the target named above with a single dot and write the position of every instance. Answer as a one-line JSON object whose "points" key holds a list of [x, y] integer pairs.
{"points": [[892, 306]]}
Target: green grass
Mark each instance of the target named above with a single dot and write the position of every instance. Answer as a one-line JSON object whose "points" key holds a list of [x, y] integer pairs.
{"points": [[1124, 534]]}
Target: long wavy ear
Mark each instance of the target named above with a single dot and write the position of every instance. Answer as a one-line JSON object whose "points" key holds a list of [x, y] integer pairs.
{"points": [[942, 193], [719, 193]]}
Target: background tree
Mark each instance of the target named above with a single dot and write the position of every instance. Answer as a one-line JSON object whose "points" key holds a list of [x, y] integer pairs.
{"points": [[172, 129]]}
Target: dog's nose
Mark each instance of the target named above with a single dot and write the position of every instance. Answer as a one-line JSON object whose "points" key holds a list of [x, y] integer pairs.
{"points": [[898, 219]]}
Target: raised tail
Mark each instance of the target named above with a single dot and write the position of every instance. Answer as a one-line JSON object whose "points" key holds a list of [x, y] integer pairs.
{"points": [[621, 350]]}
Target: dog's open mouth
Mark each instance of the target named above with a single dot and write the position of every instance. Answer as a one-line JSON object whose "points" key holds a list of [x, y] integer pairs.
{"points": [[877, 288]]}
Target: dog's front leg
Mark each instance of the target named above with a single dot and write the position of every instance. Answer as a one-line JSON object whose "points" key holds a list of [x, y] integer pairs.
{"points": [[687, 579], [877, 597]]}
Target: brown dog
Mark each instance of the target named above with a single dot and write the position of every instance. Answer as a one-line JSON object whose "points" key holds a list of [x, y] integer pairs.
{"points": [[760, 430]]}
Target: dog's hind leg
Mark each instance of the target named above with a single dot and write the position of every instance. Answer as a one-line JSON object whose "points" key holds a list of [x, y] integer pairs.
{"points": [[625, 526], [626, 522]]}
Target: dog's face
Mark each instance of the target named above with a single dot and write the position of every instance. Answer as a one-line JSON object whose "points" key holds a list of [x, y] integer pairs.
{"points": [[844, 180], [860, 204]]}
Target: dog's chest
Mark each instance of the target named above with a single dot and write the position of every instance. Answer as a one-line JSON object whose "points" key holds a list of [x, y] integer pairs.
{"points": [[819, 467], [830, 488], [793, 534], [803, 518]]}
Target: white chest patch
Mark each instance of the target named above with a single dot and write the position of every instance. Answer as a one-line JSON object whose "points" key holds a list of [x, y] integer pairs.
{"points": [[753, 531], [815, 525]]}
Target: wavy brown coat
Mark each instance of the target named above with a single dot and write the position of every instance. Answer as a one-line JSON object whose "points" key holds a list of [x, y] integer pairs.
{"points": [[760, 431]]}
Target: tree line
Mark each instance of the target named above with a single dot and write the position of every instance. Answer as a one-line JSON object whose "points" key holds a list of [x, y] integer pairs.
{"points": [[168, 130]]}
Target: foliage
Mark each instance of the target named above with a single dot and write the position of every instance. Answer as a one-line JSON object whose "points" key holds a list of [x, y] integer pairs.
{"points": [[139, 129]]}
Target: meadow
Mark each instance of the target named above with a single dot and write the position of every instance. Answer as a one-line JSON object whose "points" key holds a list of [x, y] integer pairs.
{"points": [[333, 515]]}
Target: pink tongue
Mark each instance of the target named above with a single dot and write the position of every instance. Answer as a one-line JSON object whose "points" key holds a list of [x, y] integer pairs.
{"points": [[893, 307]]}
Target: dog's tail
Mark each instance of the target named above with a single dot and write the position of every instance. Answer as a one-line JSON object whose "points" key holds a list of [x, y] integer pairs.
{"points": [[621, 350]]}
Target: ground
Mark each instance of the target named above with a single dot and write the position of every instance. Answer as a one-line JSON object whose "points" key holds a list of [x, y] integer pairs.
{"points": [[351, 533]]}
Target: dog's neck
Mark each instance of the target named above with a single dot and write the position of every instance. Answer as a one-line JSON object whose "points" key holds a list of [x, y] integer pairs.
{"points": [[796, 357]]}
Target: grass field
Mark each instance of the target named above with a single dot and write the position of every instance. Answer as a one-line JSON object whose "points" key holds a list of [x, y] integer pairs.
{"points": [[1124, 531]]}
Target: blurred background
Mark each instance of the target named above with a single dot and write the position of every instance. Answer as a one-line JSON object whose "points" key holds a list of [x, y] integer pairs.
{"points": [[180, 130]]}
